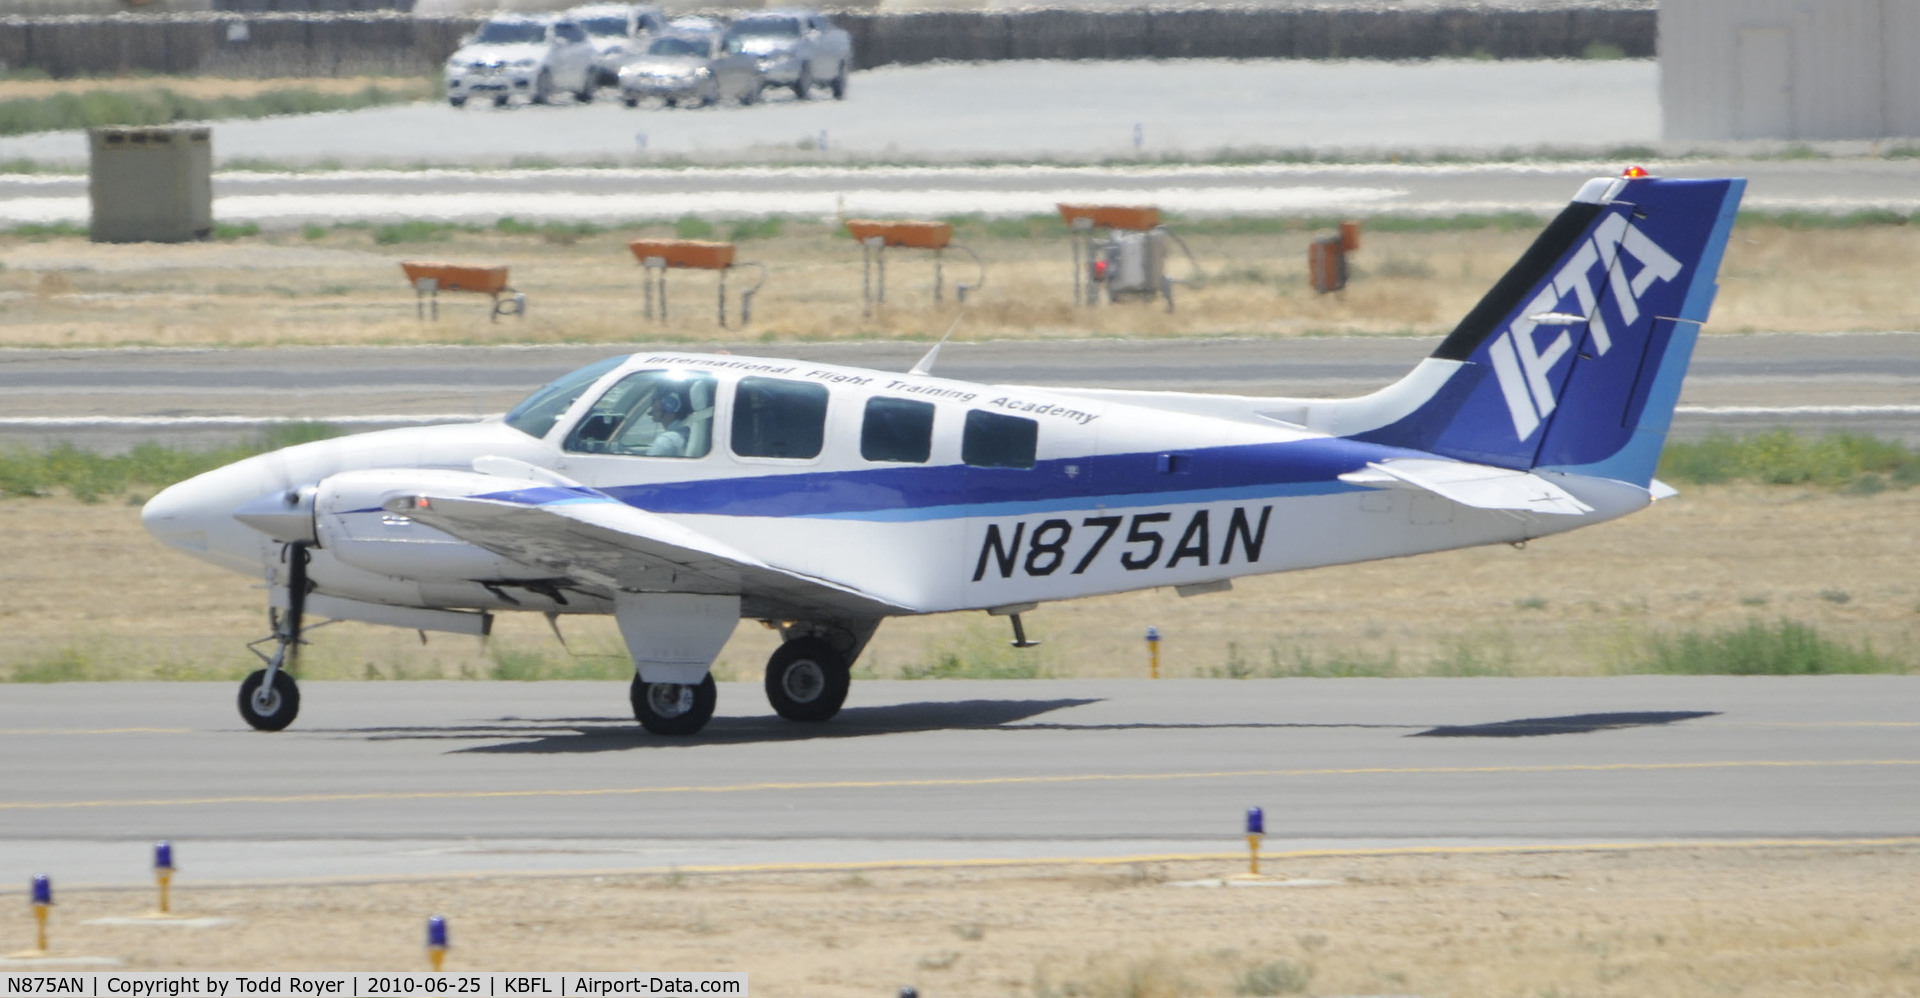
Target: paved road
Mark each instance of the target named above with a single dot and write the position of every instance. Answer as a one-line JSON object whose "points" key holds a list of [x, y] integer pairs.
{"points": [[437, 777], [1004, 110], [111, 399]]}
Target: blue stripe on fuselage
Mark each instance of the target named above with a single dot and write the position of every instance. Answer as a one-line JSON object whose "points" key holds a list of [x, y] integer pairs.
{"points": [[917, 492]]}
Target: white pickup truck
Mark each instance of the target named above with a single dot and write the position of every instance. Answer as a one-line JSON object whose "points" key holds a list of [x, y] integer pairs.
{"points": [[795, 48]]}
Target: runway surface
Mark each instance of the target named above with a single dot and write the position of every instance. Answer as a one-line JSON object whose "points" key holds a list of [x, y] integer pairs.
{"points": [[613, 194], [383, 779], [112, 399]]}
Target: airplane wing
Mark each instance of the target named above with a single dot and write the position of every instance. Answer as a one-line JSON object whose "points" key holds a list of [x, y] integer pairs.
{"points": [[1477, 485], [611, 545]]}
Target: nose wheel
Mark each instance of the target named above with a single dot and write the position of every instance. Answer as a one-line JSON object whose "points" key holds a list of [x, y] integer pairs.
{"points": [[269, 704], [807, 680], [269, 698], [673, 708]]}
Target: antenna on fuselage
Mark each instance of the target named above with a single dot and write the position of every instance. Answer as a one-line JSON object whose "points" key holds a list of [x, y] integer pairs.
{"points": [[926, 363]]}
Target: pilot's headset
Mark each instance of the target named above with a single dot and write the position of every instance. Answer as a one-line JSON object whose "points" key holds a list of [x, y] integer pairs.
{"points": [[671, 405]]}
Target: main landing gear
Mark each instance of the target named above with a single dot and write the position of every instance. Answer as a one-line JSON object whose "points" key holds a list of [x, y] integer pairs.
{"points": [[269, 698], [673, 708], [807, 680]]}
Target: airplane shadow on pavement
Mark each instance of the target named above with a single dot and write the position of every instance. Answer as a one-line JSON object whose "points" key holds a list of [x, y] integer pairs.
{"points": [[1571, 724], [607, 734]]}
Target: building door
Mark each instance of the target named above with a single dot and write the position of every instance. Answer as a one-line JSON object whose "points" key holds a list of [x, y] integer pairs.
{"points": [[1763, 94]]}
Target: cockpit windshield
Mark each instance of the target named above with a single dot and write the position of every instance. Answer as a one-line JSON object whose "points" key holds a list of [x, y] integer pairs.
{"points": [[538, 412]]}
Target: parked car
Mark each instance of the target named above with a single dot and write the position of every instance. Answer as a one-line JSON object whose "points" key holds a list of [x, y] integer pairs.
{"points": [[691, 68], [618, 33], [795, 48], [533, 56]]}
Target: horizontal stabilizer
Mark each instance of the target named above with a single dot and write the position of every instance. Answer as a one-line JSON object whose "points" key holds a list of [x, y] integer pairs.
{"points": [[1477, 485]]}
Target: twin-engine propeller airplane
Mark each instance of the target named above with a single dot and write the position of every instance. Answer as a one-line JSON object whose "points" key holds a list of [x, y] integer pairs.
{"points": [[682, 492]]}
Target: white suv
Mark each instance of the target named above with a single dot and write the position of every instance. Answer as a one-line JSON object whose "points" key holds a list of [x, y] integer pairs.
{"points": [[533, 56], [618, 33]]}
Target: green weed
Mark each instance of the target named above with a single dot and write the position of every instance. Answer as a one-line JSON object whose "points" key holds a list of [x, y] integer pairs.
{"points": [[413, 231], [692, 227], [1757, 649], [1279, 977], [91, 477], [769, 227], [1782, 457], [528, 665]]}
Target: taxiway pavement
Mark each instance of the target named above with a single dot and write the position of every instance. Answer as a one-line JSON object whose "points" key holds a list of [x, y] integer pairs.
{"points": [[113, 399], [438, 778]]}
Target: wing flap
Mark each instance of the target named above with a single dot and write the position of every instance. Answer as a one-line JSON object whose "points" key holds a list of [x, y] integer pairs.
{"points": [[614, 546], [1477, 485]]}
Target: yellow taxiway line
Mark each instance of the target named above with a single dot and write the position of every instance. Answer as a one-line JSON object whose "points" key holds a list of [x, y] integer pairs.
{"points": [[983, 781]]}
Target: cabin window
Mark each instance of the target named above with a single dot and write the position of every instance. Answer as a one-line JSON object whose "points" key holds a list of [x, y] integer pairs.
{"points": [[897, 430], [996, 441], [650, 414], [775, 418], [536, 415]]}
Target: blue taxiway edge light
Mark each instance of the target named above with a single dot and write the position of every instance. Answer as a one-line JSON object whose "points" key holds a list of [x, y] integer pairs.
{"points": [[437, 941]]}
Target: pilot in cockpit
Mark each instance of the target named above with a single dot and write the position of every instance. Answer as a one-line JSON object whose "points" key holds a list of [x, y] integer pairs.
{"points": [[669, 410]]}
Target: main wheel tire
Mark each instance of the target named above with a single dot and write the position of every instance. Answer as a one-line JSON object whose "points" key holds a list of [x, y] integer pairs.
{"points": [[840, 83], [672, 708], [585, 94], [457, 101], [710, 96], [807, 680], [499, 100], [803, 84], [753, 94], [630, 101], [273, 708], [543, 87]]}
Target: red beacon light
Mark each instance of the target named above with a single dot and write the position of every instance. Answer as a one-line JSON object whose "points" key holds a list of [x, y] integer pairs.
{"points": [[1635, 172]]}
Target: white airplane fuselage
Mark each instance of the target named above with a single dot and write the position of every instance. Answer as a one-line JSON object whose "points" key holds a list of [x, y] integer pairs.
{"points": [[1120, 497], [682, 492]]}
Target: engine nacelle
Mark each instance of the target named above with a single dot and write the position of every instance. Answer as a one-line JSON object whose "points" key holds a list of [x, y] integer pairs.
{"points": [[354, 528]]}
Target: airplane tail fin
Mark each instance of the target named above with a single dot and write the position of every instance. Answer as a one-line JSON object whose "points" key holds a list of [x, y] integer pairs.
{"points": [[1573, 360]]}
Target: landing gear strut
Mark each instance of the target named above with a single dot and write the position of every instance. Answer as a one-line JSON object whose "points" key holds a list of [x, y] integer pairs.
{"points": [[673, 708], [269, 698]]}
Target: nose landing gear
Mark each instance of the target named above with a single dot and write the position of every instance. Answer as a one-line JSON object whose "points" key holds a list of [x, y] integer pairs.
{"points": [[269, 698]]}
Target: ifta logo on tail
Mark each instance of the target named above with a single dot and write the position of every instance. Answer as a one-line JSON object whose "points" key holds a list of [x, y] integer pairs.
{"points": [[1524, 369], [1573, 360]]}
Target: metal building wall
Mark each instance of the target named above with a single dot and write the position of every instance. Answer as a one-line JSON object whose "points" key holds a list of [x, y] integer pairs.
{"points": [[1789, 69]]}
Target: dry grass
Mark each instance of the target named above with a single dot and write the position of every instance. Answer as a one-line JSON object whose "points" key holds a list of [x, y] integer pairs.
{"points": [[1667, 922], [343, 287], [91, 596]]}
